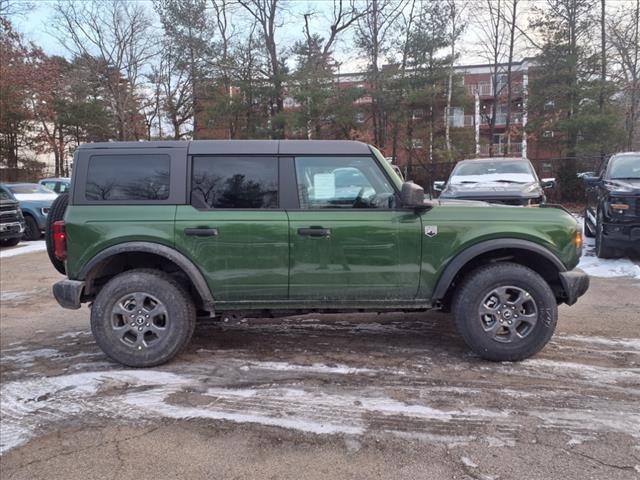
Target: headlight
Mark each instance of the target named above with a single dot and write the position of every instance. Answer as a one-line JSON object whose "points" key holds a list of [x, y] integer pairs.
{"points": [[618, 205], [44, 211]]}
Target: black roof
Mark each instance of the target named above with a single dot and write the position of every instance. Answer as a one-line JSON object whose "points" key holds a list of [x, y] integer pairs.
{"points": [[248, 147]]}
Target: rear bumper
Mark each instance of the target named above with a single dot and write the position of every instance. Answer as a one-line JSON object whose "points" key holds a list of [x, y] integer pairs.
{"points": [[575, 284], [68, 293]]}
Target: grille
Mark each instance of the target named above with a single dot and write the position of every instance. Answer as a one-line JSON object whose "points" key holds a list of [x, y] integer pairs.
{"points": [[9, 213]]}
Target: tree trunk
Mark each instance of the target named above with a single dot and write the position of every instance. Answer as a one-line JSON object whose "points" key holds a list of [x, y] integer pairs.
{"points": [[512, 31]]}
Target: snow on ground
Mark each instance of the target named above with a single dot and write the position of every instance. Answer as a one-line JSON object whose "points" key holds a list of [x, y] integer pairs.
{"points": [[22, 248], [599, 267]]}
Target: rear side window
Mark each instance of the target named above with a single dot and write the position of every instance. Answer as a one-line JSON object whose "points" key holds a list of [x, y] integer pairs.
{"points": [[128, 177], [235, 182]]}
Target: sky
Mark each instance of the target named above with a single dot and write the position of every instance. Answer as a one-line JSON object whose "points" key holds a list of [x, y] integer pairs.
{"points": [[37, 26]]}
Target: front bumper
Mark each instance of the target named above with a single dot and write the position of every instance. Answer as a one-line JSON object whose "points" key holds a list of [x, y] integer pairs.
{"points": [[11, 230], [575, 283], [68, 293], [623, 235]]}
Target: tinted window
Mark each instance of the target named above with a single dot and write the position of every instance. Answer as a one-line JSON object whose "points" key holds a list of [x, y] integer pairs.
{"points": [[235, 182], [128, 177], [342, 182]]}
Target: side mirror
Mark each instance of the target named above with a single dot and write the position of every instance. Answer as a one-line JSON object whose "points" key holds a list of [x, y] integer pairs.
{"points": [[412, 195], [548, 182], [438, 185], [590, 180]]}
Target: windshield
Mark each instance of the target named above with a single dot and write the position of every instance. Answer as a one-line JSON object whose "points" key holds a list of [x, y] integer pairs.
{"points": [[627, 166], [29, 188], [517, 171]]}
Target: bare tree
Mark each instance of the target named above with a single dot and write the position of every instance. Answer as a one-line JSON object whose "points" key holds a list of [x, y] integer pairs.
{"points": [[513, 29], [266, 15], [116, 35], [9, 8], [625, 41], [493, 41], [456, 27], [373, 39]]}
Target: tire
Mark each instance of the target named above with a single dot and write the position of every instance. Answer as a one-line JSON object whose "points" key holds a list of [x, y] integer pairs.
{"points": [[31, 231], [10, 242], [505, 342], [603, 249], [589, 231], [56, 212], [142, 339]]}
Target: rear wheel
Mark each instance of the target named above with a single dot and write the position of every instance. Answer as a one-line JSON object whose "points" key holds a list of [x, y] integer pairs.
{"points": [[505, 312], [142, 318], [56, 212], [31, 231]]}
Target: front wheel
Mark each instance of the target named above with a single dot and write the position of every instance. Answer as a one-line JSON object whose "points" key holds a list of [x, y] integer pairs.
{"points": [[603, 249], [142, 318], [31, 230], [505, 312]]}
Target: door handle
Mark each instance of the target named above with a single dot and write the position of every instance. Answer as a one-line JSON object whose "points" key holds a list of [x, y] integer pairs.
{"points": [[314, 232], [201, 232]]}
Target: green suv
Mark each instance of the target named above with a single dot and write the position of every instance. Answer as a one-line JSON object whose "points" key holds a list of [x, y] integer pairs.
{"points": [[157, 233]]}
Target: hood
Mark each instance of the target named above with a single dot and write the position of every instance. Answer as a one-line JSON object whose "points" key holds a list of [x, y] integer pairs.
{"points": [[492, 189], [628, 186], [36, 197]]}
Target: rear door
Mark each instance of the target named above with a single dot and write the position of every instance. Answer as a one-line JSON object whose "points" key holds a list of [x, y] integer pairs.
{"points": [[349, 240], [234, 229]]}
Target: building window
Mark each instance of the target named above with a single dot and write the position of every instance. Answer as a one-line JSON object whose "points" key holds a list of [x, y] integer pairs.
{"points": [[360, 117], [547, 134], [549, 105], [416, 143], [417, 114]]}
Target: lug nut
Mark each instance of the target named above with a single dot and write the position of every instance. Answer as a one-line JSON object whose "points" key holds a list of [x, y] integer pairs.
{"points": [[147, 324], [133, 324], [510, 322], [139, 329]]}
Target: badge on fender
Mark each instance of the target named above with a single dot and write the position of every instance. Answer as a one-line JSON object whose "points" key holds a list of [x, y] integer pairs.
{"points": [[431, 230]]}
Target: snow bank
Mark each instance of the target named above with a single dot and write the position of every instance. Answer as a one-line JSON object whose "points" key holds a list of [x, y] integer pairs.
{"points": [[23, 248]]}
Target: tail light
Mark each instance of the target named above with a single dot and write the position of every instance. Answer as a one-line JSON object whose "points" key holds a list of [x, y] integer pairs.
{"points": [[59, 240]]}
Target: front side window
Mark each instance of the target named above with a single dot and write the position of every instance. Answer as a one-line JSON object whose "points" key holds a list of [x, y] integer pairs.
{"points": [[128, 177], [342, 182], [235, 182]]}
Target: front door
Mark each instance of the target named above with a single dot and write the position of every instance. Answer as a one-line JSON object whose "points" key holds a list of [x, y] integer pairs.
{"points": [[349, 241], [234, 230]]}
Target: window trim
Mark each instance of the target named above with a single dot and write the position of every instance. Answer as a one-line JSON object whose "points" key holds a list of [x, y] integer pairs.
{"points": [[189, 181], [342, 209]]}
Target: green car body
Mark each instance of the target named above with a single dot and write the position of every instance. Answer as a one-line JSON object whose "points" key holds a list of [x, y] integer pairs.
{"points": [[409, 256]]}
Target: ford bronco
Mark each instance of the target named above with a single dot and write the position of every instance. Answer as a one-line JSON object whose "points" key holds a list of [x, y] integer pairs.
{"points": [[153, 234]]}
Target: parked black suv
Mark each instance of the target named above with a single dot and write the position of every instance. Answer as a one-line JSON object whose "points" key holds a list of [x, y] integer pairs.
{"points": [[11, 219], [612, 213]]}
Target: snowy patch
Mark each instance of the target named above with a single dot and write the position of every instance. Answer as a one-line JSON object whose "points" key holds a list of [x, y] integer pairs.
{"points": [[25, 247], [27, 406], [468, 462], [629, 343], [599, 267], [313, 368], [602, 375]]}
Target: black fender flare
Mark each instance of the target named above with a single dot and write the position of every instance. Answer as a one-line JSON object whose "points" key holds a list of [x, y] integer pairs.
{"points": [[460, 260], [192, 271]]}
